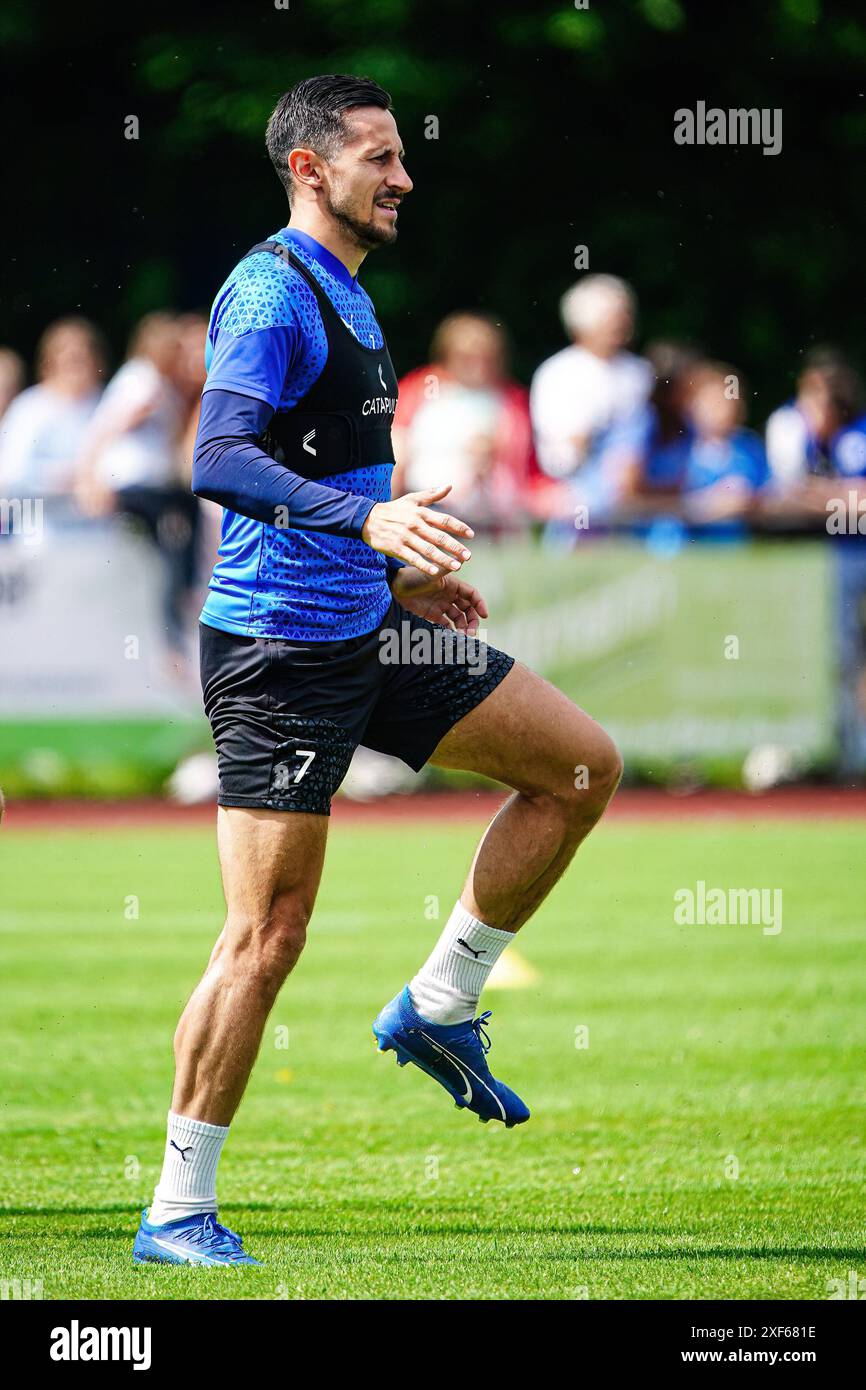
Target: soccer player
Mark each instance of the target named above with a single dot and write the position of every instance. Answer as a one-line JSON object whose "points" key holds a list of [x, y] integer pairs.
{"points": [[320, 579]]}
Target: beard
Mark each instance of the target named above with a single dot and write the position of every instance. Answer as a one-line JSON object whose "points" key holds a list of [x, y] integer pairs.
{"points": [[366, 232]]}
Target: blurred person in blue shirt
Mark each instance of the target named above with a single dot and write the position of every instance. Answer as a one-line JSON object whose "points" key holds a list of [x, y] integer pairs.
{"points": [[817, 449], [725, 463], [845, 521], [685, 465], [645, 456]]}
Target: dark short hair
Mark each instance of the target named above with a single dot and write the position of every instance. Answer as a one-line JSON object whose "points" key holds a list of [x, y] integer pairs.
{"points": [[311, 114], [840, 377]]}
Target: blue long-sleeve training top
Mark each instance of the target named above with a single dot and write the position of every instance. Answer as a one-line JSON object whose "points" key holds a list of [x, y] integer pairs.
{"points": [[314, 579]]}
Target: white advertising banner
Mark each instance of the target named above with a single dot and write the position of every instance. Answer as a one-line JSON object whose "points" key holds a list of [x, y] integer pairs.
{"points": [[81, 631]]}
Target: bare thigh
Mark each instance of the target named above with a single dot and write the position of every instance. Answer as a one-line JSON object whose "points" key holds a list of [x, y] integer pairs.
{"points": [[530, 736], [269, 860]]}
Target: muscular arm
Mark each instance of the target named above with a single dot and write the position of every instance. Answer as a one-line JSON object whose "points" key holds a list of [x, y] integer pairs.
{"points": [[228, 467]]}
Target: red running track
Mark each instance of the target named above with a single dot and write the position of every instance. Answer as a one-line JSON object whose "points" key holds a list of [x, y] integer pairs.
{"points": [[630, 804]]}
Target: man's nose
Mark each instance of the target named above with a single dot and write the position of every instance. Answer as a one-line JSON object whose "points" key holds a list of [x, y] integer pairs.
{"points": [[401, 182]]}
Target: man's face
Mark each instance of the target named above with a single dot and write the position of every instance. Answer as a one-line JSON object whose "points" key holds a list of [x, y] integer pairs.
{"points": [[815, 399], [365, 182], [73, 360], [714, 414], [474, 355], [612, 329]]}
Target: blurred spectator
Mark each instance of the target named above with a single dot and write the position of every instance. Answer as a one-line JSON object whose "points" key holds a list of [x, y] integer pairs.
{"points": [[648, 451], [133, 438], [12, 377], [191, 373], [190, 378], [582, 393], [817, 449], [131, 462], [726, 465], [462, 420], [41, 432], [803, 436]]}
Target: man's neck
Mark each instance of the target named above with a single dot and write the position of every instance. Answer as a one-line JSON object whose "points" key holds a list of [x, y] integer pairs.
{"points": [[599, 350], [329, 234]]}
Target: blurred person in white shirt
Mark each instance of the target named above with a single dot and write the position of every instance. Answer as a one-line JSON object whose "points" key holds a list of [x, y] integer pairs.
{"points": [[583, 392], [134, 436], [809, 438], [131, 463], [44, 426]]}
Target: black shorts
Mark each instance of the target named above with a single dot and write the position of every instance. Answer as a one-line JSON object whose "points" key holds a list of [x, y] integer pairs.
{"points": [[287, 716]]}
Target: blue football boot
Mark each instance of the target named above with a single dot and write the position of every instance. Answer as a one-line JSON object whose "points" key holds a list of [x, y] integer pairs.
{"points": [[454, 1054], [192, 1240]]}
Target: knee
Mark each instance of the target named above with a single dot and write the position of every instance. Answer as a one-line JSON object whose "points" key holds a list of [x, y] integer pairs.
{"points": [[266, 949], [284, 934], [582, 787], [604, 770]]}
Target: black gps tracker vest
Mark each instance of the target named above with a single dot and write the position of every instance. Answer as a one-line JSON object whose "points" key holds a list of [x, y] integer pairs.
{"points": [[344, 420]]}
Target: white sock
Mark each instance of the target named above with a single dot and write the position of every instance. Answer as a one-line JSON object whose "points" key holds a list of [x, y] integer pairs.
{"points": [[447, 987], [188, 1182]]}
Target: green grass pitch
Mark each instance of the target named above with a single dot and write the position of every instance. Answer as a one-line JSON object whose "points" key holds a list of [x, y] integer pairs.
{"points": [[707, 1143]]}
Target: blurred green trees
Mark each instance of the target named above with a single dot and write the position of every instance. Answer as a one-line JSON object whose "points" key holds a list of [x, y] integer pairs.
{"points": [[555, 130]]}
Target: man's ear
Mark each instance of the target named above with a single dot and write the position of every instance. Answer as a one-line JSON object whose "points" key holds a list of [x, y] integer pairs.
{"points": [[306, 168]]}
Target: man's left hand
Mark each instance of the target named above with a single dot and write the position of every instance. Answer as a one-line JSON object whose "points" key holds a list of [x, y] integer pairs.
{"points": [[447, 600]]}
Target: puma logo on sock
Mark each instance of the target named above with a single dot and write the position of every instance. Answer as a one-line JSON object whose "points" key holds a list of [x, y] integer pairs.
{"points": [[461, 942], [183, 1152]]}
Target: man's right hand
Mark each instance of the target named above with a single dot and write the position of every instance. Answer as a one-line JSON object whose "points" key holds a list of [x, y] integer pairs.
{"points": [[407, 529]]}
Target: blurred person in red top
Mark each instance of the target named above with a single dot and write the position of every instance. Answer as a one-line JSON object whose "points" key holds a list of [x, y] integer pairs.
{"points": [[462, 420]]}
